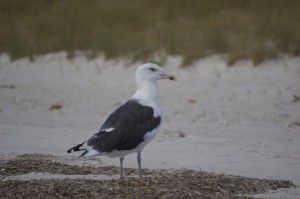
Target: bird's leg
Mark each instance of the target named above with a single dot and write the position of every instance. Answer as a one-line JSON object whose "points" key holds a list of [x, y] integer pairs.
{"points": [[139, 160], [121, 168]]}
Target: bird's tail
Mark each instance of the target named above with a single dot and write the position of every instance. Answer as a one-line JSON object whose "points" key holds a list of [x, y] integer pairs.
{"points": [[78, 148]]}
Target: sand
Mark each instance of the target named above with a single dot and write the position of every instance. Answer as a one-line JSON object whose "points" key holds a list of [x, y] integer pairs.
{"points": [[240, 120]]}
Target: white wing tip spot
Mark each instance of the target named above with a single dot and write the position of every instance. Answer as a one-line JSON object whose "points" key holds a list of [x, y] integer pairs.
{"points": [[108, 129]]}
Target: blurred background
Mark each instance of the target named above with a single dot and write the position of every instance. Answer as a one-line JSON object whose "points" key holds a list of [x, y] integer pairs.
{"points": [[63, 70], [241, 29]]}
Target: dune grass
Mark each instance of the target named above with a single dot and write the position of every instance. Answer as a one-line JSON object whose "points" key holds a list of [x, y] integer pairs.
{"points": [[241, 29]]}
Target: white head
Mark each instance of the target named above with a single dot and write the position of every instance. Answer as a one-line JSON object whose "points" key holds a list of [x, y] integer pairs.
{"points": [[151, 73], [147, 91]]}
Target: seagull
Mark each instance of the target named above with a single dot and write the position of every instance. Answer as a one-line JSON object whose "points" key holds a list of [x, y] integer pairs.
{"points": [[134, 124]]}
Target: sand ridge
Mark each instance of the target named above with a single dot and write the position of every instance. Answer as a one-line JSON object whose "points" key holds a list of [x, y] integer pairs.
{"points": [[241, 120]]}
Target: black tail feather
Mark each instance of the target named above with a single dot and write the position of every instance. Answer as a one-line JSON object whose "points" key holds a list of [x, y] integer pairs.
{"points": [[76, 148], [85, 152]]}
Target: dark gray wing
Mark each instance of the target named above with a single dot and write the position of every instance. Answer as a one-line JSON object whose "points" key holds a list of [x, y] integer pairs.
{"points": [[130, 123]]}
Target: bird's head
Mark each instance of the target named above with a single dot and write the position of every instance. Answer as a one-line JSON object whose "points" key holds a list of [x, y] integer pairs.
{"points": [[152, 72]]}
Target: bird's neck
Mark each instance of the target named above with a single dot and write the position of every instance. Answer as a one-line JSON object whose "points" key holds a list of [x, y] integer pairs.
{"points": [[147, 92]]}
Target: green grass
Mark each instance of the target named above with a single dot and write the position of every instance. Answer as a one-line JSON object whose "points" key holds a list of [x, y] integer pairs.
{"points": [[255, 29]]}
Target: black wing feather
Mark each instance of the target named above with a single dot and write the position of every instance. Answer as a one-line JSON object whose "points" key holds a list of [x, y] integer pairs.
{"points": [[131, 122]]}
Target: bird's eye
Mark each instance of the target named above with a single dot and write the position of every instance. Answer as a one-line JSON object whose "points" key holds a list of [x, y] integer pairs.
{"points": [[152, 69]]}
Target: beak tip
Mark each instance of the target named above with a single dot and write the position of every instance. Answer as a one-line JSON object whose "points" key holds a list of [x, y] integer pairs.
{"points": [[173, 78]]}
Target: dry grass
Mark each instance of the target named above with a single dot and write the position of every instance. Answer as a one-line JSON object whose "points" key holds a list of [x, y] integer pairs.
{"points": [[155, 184], [138, 29]]}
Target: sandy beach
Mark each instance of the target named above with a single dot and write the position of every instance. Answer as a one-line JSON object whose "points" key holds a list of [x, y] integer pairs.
{"points": [[240, 120]]}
